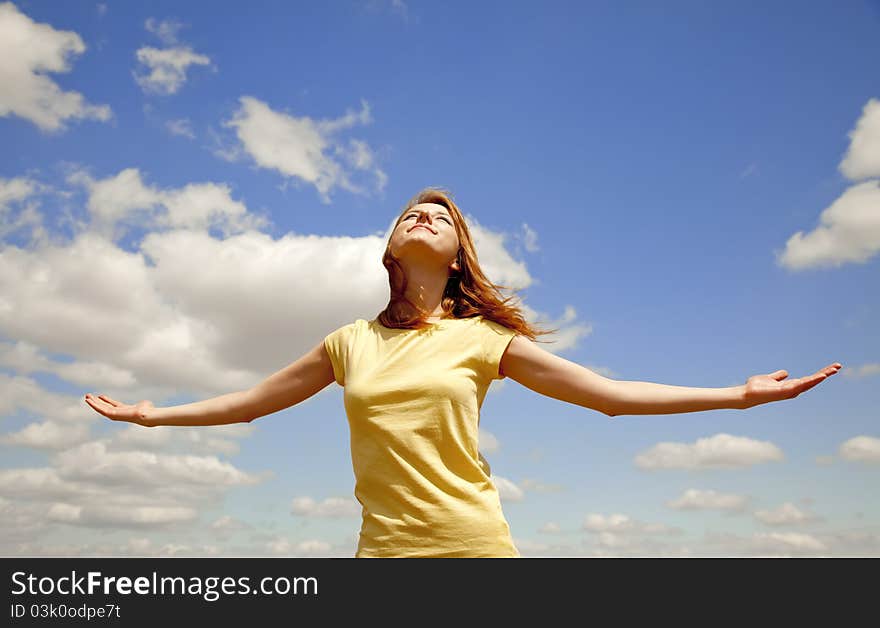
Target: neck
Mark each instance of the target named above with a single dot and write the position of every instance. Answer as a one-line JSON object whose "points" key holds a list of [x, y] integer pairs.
{"points": [[425, 287]]}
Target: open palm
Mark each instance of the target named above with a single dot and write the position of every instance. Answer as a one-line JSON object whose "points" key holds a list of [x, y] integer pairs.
{"points": [[119, 411], [771, 387]]}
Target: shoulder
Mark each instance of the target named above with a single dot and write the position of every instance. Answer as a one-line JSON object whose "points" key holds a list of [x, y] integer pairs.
{"points": [[494, 327], [348, 329]]}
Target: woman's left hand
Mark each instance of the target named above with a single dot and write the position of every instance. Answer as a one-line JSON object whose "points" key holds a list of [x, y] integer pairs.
{"points": [[766, 388]]}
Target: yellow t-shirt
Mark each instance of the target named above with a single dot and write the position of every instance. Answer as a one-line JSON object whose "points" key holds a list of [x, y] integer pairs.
{"points": [[413, 400]]}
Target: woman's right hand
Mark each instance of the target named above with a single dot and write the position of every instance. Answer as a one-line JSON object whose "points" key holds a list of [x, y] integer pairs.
{"points": [[119, 411]]}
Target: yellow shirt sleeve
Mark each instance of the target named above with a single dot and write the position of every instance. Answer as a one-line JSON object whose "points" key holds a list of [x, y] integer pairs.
{"points": [[337, 343], [496, 339]]}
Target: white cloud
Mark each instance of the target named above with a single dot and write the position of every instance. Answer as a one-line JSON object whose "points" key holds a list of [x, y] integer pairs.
{"points": [[182, 127], [331, 507], [26, 358], [213, 439], [227, 523], [849, 232], [850, 227], [697, 499], [163, 70], [35, 484], [29, 50], [620, 523], [865, 370], [90, 485], [618, 534], [764, 544], [15, 190], [861, 449], [311, 547], [507, 490], [25, 394], [862, 159], [530, 238], [124, 200], [488, 443], [120, 516], [94, 462], [304, 148], [165, 30], [549, 528], [787, 542], [535, 486], [786, 514], [721, 451], [48, 435]]}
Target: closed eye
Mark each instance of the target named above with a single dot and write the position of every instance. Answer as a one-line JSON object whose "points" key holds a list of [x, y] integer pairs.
{"points": [[442, 217]]}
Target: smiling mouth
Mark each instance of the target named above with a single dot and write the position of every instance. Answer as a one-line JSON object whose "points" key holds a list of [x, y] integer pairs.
{"points": [[421, 227]]}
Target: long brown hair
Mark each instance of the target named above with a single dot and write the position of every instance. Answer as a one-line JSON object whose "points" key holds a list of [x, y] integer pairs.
{"points": [[468, 292]]}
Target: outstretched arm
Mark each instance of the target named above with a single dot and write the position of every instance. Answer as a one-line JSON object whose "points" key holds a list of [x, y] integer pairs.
{"points": [[554, 376], [294, 383]]}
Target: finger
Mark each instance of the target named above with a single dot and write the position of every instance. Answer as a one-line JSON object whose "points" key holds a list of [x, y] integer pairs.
{"points": [[112, 402], [96, 405], [104, 408], [779, 375], [808, 382]]}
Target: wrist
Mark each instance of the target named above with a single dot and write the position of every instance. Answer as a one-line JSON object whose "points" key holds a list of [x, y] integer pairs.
{"points": [[149, 417], [739, 398]]}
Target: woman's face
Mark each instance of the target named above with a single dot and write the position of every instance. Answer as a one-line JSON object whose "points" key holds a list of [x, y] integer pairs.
{"points": [[426, 232]]}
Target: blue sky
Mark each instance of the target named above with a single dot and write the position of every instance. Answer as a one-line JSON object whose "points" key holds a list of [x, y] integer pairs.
{"points": [[193, 195]]}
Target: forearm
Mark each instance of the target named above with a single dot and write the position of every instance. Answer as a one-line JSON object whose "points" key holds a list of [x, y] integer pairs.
{"points": [[222, 410], [651, 398]]}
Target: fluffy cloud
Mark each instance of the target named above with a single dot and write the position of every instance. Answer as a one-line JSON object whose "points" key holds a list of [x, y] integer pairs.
{"points": [[304, 148], [721, 451], [849, 232], [696, 499], [507, 490], [861, 449], [786, 514], [94, 485], [488, 443], [48, 435], [536, 486], [181, 127], [227, 524], [311, 548], [28, 50], [862, 159], [618, 535], [163, 70], [772, 544], [850, 227], [865, 370], [621, 524], [333, 507]]}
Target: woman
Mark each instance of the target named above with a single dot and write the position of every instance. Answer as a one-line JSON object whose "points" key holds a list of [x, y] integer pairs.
{"points": [[414, 381]]}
